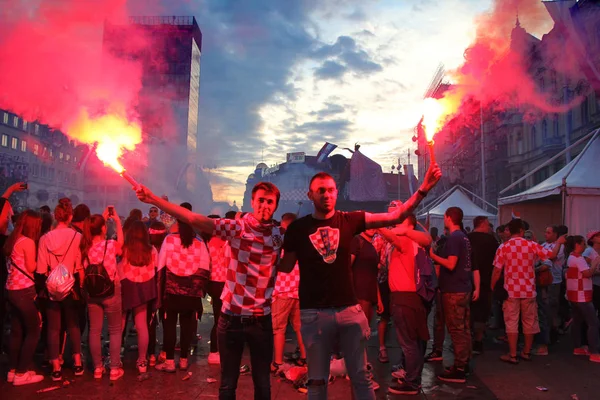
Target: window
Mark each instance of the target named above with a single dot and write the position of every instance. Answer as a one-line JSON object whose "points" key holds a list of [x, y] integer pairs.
{"points": [[60, 176], [569, 123], [74, 159], [553, 79], [60, 155], [43, 171], [50, 153], [15, 121], [4, 140], [519, 143], [544, 129], [585, 112], [24, 125], [73, 177], [556, 126], [51, 173], [5, 120], [23, 146], [36, 149], [14, 143], [36, 129], [533, 137], [68, 157]]}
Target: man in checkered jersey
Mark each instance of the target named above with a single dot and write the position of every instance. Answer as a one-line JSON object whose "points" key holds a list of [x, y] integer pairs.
{"points": [[255, 243], [329, 309], [517, 257]]}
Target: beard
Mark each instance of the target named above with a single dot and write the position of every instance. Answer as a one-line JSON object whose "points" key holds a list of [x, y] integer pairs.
{"points": [[322, 208]]}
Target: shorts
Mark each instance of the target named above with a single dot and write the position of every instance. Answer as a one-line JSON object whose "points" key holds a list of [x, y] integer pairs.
{"points": [[482, 308], [284, 309], [384, 292], [528, 310]]}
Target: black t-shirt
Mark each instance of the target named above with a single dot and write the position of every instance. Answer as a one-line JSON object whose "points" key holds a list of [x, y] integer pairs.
{"points": [[322, 248], [459, 280], [484, 247], [365, 269]]}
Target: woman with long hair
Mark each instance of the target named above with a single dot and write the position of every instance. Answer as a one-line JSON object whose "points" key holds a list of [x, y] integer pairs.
{"points": [[157, 232], [61, 246], [138, 283], [97, 249], [134, 215], [187, 262], [21, 250]]}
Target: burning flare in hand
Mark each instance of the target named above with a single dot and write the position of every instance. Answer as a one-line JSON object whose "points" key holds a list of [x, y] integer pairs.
{"points": [[433, 118]]}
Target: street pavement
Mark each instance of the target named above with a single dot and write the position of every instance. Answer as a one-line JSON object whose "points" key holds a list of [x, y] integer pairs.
{"points": [[563, 375]]}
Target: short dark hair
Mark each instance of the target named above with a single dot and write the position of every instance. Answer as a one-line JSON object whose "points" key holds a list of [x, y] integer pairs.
{"points": [[186, 205], [500, 228], [515, 226], [213, 216], [434, 231], [320, 175], [477, 221], [455, 214], [45, 209], [289, 217], [80, 213], [230, 214], [562, 230], [269, 188]]}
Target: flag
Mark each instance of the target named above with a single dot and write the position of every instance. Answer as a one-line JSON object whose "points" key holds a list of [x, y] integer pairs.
{"points": [[325, 151], [514, 214], [366, 179]]}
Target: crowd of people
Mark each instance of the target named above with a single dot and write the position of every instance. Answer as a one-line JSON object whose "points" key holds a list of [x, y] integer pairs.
{"points": [[327, 274]]}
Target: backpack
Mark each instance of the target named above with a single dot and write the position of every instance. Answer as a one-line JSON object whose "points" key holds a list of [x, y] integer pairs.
{"points": [[424, 275], [97, 284], [60, 280]]}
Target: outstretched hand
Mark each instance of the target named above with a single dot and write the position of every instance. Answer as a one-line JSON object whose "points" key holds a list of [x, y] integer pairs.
{"points": [[432, 177], [144, 194]]}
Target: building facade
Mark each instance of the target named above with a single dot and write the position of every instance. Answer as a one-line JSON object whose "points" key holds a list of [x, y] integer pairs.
{"points": [[168, 111], [46, 159]]}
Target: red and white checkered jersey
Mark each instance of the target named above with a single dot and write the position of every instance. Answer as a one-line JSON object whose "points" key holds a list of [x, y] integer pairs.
{"points": [[139, 274], [16, 279], [96, 253], [286, 284], [183, 261], [579, 289], [517, 257], [219, 260], [255, 248]]}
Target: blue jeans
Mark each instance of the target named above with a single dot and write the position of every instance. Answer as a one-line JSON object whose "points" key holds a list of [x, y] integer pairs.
{"points": [[111, 307], [25, 328], [320, 329], [544, 315], [233, 332]]}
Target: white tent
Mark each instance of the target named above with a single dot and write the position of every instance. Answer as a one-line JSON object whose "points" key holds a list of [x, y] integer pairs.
{"points": [[455, 197], [570, 197]]}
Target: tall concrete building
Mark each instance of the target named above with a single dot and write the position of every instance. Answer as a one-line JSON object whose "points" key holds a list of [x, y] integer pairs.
{"points": [[169, 50]]}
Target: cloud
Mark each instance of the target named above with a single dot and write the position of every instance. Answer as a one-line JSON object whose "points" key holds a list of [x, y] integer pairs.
{"points": [[330, 70], [343, 56], [330, 109]]}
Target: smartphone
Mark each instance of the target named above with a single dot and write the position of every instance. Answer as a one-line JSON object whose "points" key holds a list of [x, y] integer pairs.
{"points": [[24, 186], [111, 211]]}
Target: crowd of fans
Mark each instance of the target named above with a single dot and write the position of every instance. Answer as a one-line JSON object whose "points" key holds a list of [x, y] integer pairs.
{"points": [[327, 274]]}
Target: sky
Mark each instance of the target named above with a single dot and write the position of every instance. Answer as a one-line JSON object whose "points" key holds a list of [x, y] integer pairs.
{"points": [[287, 76]]}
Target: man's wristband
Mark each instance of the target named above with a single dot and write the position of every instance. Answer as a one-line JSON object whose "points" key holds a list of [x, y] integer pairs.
{"points": [[422, 193]]}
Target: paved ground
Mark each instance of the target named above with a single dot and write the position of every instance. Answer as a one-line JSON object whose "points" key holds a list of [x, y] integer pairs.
{"points": [[561, 373]]}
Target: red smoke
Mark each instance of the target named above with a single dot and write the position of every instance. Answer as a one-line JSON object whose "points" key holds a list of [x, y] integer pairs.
{"points": [[498, 71]]}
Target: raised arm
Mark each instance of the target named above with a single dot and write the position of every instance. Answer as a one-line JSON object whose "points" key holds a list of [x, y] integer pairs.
{"points": [[199, 222], [381, 220]]}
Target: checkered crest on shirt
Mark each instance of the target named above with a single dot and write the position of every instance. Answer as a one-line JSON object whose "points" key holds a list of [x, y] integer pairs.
{"points": [[251, 273], [326, 241]]}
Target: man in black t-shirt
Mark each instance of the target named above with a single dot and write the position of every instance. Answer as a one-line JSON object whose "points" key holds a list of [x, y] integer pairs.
{"points": [[455, 281], [321, 244], [484, 247]]}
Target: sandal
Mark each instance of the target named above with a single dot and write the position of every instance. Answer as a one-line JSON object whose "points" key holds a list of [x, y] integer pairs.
{"points": [[525, 356], [507, 358]]}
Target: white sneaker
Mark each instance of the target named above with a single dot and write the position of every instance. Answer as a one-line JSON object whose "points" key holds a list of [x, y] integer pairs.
{"points": [[142, 366], [27, 378], [183, 364], [116, 373], [98, 372], [167, 366], [10, 377], [214, 359]]}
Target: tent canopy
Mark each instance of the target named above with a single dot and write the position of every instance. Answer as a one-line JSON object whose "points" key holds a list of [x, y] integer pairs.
{"points": [[457, 198], [580, 177]]}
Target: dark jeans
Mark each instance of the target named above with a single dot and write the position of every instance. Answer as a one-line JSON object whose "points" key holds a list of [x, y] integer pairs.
{"points": [[187, 322], [321, 329], [439, 324], [584, 312], [457, 315], [408, 312], [544, 315], [233, 332], [55, 310], [214, 291], [25, 328]]}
